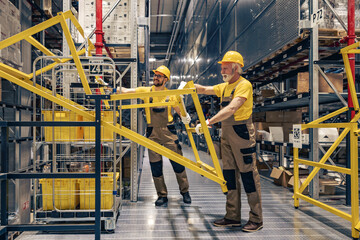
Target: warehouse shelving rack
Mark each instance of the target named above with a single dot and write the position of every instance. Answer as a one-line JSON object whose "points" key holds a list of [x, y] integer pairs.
{"points": [[5, 176]]}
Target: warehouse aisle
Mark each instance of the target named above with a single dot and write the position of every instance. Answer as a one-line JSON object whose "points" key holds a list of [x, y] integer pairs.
{"points": [[142, 220]]}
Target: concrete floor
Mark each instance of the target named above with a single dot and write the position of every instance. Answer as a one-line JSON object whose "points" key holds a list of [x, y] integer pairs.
{"points": [[142, 220]]}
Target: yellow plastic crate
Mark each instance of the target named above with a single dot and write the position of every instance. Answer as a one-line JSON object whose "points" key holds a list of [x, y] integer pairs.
{"points": [[87, 191], [62, 134], [106, 134], [66, 193]]}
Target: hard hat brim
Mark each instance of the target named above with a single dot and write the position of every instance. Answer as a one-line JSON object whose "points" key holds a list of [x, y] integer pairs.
{"points": [[221, 62]]}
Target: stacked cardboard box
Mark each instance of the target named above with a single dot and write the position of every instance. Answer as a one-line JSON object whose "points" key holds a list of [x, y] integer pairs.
{"points": [[277, 126], [335, 78], [284, 177], [10, 25], [117, 25]]}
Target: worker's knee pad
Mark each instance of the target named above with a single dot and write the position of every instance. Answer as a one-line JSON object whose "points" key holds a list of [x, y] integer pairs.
{"points": [[148, 131], [248, 159], [229, 175], [242, 131], [178, 144], [248, 150], [178, 168], [156, 169], [248, 181], [172, 128]]}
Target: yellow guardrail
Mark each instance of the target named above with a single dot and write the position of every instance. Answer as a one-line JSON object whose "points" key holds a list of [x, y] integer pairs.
{"points": [[348, 128], [23, 80]]}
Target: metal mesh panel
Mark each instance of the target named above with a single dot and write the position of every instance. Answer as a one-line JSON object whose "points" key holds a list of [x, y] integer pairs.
{"points": [[275, 26]]}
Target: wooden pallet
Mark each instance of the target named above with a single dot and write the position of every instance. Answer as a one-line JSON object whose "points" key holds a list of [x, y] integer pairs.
{"points": [[124, 52]]}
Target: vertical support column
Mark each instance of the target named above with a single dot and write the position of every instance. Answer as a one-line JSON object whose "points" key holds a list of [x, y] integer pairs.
{"points": [[97, 168], [351, 40], [134, 112], [99, 32], [314, 99], [282, 157], [66, 7], [354, 180], [4, 169], [296, 177]]}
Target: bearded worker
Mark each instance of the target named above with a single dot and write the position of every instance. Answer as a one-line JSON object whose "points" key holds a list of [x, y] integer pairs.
{"points": [[237, 142], [161, 129]]}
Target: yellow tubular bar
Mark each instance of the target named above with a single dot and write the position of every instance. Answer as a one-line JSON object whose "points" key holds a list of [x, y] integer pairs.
{"points": [[350, 81], [14, 72], [319, 120], [326, 166], [151, 94], [323, 160], [207, 135], [328, 125], [353, 51], [354, 180], [324, 206], [355, 118], [296, 177], [74, 54], [190, 136], [143, 105], [357, 227], [39, 91], [352, 46], [41, 47]]}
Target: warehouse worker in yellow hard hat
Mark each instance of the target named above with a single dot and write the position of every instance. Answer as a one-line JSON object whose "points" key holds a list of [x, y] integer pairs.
{"points": [[162, 130], [237, 142]]}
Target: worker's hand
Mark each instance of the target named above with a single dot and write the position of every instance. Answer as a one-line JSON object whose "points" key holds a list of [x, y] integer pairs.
{"points": [[186, 119], [198, 128]]}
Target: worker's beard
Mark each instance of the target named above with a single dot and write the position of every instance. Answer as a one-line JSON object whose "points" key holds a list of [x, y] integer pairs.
{"points": [[227, 77], [159, 83]]}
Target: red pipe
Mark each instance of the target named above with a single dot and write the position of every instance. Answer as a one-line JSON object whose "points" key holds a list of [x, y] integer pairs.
{"points": [[99, 30], [351, 40]]}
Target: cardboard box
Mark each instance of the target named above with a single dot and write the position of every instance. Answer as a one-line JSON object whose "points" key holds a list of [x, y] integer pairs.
{"points": [[276, 134], [274, 116], [268, 93], [281, 176], [327, 186], [301, 181], [262, 166], [292, 117], [335, 78]]}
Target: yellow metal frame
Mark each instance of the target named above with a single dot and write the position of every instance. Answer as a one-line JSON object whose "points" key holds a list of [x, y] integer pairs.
{"points": [[23, 80], [349, 128]]}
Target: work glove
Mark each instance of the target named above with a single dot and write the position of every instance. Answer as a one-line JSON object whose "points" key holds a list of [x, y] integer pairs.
{"points": [[186, 119], [198, 128]]}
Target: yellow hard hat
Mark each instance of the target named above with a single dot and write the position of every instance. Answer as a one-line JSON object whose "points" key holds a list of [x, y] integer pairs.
{"points": [[164, 70], [233, 57]]}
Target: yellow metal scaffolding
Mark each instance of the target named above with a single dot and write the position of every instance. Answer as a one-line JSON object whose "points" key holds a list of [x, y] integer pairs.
{"points": [[23, 80], [348, 128]]}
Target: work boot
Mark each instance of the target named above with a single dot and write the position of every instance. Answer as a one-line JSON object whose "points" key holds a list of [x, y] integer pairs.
{"points": [[186, 197], [223, 222], [161, 201], [252, 226]]}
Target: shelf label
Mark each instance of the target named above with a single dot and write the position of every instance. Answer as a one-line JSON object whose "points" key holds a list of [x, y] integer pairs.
{"points": [[318, 17], [96, 67], [297, 136]]}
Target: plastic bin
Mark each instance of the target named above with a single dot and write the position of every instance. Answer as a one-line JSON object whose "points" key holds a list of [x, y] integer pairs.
{"points": [[106, 134], [62, 134], [66, 193], [87, 191]]}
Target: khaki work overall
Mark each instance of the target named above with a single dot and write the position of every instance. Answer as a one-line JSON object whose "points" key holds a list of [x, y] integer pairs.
{"points": [[238, 155], [160, 131]]}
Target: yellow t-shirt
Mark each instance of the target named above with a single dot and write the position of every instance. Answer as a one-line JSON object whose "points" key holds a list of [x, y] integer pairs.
{"points": [[171, 98], [244, 89]]}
